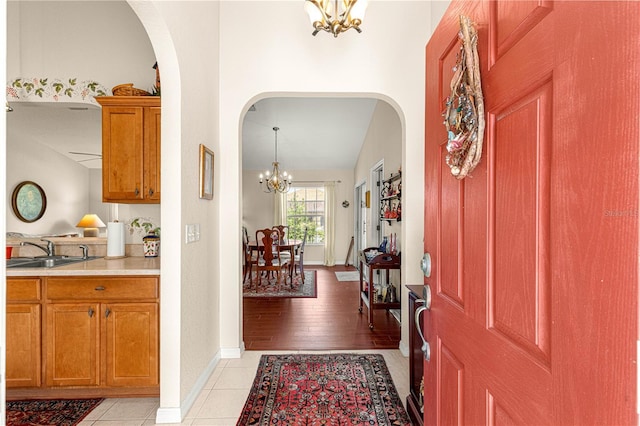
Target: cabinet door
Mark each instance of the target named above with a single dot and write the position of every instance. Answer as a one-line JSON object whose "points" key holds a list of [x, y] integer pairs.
{"points": [[122, 153], [131, 349], [23, 345], [72, 345], [152, 154]]}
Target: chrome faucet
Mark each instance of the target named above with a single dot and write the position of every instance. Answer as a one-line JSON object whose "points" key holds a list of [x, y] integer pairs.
{"points": [[50, 249], [85, 251]]}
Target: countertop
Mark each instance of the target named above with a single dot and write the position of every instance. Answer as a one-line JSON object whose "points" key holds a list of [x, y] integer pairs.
{"points": [[102, 266]]}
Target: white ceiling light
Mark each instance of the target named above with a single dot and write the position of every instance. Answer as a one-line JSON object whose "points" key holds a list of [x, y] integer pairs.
{"points": [[335, 16]]}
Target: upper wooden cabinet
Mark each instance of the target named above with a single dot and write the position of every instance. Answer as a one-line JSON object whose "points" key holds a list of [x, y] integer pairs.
{"points": [[130, 149]]}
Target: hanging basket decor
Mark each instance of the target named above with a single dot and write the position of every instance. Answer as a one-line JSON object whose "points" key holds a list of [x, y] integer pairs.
{"points": [[464, 114]]}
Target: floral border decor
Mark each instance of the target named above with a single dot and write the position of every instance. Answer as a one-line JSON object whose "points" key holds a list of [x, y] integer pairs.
{"points": [[55, 90]]}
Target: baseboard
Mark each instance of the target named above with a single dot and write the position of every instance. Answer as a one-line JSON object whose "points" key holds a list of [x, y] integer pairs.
{"points": [[232, 352], [177, 414], [404, 348], [168, 415]]}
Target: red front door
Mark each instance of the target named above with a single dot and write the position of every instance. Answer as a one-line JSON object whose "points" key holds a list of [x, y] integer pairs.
{"points": [[535, 255]]}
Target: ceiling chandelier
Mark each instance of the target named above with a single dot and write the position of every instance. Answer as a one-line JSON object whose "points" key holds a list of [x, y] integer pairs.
{"points": [[335, 16], [275, 181]]}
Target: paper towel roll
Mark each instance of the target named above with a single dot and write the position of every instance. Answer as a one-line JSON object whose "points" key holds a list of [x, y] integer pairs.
{"points": [[115, 239]]}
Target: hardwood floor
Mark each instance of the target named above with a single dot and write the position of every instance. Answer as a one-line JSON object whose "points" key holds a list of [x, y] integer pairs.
{"points": [[329, 322]]}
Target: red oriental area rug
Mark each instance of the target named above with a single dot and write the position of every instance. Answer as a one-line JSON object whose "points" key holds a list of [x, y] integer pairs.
{"points": [[59, 412], [323, 389]]}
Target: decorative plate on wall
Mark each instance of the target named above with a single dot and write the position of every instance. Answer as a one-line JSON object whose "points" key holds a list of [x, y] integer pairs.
{"points": [[28, 201]]}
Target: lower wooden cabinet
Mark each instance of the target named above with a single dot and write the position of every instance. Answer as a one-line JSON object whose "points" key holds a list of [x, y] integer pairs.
{"points": [[72, 345], [23, 354], [97, 333], [102, 331], [131, 344]]}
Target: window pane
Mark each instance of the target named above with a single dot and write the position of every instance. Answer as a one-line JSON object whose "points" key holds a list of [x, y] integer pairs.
{"points": [[305, 210]]}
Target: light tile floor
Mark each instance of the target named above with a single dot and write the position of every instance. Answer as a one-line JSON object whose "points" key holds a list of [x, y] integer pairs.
{"points": [[225, 393]]}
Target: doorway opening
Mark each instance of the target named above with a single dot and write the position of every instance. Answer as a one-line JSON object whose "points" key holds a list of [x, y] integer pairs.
{"points": [[320, 140]]}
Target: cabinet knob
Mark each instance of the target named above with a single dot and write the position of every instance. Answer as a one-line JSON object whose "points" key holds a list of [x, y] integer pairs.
{"points": [[107, 313], [99, 288], [150, 191], [137, 191], [90, 312]]}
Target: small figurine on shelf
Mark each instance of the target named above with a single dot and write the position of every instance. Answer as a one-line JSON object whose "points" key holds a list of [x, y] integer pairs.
{"points": [[383, 245], [392, 242], [399, 211], [393, 214]]}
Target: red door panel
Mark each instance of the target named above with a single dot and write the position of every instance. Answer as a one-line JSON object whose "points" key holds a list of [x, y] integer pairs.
{"points": [[535, 277]]}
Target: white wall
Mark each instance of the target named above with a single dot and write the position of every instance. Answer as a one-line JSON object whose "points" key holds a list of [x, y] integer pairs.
{"points": [[267, 49], [64, 182], [99, 40], [257, 209], [382, 143], [186, 34]]}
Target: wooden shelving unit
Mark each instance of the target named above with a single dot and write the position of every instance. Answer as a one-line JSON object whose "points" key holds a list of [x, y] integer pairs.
{"points": [[391, 199], [372, 299]]}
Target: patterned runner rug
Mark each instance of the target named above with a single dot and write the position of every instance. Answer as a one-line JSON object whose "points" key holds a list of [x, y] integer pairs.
{"points": [[272, 288], [323, 389], [59, 412]]}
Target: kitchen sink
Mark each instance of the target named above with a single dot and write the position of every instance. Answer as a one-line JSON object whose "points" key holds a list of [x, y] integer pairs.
{"points": [[45, 262]]}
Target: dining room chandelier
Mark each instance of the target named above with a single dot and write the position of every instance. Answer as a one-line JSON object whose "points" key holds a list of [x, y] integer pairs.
{"points": [[335, 16], [273, 180]]}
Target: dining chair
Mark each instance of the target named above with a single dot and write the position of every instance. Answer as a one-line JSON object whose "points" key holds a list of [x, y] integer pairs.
{"points": [[269, 259], [283, 235], [298, 259], [283, 232], [245, 235]]}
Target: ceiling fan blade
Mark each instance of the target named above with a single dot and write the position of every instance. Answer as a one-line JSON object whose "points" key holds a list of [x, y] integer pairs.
{"points": [[85, 153]]}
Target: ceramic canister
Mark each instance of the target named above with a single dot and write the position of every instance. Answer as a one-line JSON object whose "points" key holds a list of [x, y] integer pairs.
{"points": [[151, 245]]}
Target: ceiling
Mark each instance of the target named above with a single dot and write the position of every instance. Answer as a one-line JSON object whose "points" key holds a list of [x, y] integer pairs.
{"points": [[315, 133], [64, 127]]}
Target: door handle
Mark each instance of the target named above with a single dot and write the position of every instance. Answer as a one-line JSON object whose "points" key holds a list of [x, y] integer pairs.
{"points": [[426, 347], [425, 264], [426, 296]]}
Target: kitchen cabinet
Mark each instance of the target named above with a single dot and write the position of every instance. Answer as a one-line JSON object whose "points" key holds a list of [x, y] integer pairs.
{"points": [[23, 355], [130, 149], [102, 331]]}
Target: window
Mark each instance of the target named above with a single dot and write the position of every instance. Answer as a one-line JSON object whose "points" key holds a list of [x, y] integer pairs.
{"points": [[305, 209]]}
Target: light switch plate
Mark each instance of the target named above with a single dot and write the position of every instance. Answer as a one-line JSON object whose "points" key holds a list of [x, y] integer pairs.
{"points": [[192, 233]]}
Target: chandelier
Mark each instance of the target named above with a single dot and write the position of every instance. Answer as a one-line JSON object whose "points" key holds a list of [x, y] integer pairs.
{"points": [[275, 181], [335, 16]]}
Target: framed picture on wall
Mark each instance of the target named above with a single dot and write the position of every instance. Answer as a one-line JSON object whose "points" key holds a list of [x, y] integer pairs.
{"points": [[28, 201], [206, 173]]}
